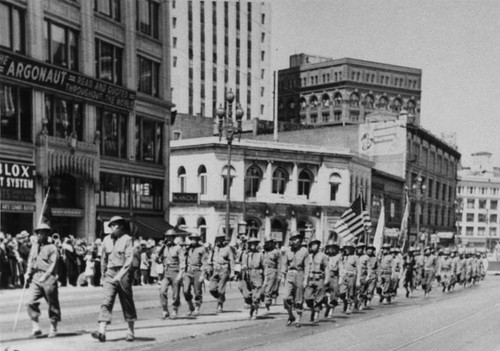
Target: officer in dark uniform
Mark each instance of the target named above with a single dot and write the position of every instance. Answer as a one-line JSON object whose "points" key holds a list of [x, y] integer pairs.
{"points": [[117, 255], [42, 273]]}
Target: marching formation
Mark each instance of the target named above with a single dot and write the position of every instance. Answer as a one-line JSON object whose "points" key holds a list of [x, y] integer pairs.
{"points": [[312, 275]]}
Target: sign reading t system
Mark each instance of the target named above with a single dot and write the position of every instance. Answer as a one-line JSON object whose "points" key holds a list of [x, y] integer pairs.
{"points": [[17, 181]]}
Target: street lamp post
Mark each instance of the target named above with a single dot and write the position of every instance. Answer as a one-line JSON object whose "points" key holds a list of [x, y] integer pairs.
{"points": [[418, 187], [227, 127]]}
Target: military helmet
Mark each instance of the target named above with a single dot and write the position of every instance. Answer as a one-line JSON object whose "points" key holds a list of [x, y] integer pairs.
{"points": [[116, 219], [43, 227]]}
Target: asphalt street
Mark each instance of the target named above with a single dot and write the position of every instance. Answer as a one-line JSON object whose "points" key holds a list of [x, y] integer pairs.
{"points": [[465, 319]]}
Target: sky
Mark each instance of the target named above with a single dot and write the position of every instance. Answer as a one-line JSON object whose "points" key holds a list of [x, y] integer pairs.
{"points": [[455, 43]]}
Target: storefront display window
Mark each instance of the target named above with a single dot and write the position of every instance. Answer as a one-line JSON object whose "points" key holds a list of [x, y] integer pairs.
{"points": [[64, 117], [15, 112], [149, 140], [113, 129]]}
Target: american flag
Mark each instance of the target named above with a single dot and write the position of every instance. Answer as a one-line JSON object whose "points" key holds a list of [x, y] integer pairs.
{"points": [[354, 221]]}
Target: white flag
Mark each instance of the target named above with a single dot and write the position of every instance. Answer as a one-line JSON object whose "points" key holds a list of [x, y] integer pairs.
{"points": [[379, 232]]}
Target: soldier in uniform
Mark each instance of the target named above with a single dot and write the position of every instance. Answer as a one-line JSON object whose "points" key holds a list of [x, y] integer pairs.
{"points": [[252, 268], [430, 265], [384, 283], [409, 272], [332, 277], [314, 293], [117, 255], [397, 270], [239, 252], [361, 286], [192, 267], [295, 272], [348, 278], [371, 279], [170, 255], [418, 269], [272, 257], [445, 270], [42, 273], [454, 268], [223, 270]]}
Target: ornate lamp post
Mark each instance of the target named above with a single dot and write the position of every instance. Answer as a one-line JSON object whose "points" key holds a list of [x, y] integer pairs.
{"points": [[418, 188], [227, 127]]}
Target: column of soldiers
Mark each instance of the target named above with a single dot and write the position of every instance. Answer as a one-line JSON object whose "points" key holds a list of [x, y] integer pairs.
{"points": [[320, 277]]}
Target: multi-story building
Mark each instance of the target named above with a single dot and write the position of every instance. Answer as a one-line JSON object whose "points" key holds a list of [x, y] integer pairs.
{"points": [[478, 195], [276, 188], [216, 45], [85, 107], [323, 91]]}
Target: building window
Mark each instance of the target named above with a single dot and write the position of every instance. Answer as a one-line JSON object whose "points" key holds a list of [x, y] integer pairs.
{"points": [[113, 128], [470, 203], [202, 180], [181, 176], [148, 80], [15, 112], [305, 182], [224, 179], [493, 231], [493, 204], [64, 117], [114, 191], [147, 17], [482, 204], [470, 217], [11, 28], [109, 8], [147, 193], [253, 178], [149, 140], [481, 218], [335, 181], [61, 45], [280, 179], [108, 62], [481, 231], [469, 231]]}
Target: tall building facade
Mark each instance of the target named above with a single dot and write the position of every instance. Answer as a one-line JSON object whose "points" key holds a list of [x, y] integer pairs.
{"points": [[323, 91], [217, 46], [478, 195], [85, 108]]}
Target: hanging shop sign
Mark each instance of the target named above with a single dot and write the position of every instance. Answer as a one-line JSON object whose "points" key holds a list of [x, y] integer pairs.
{"points": [[17, 207], [59, 79], [17, 181], [185, 198]]}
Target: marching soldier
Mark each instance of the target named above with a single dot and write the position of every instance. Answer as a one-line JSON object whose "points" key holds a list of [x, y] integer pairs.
{"points": [[333, 274], [361, 285], [418, 270], [384, 283], [170, 255], [445, 270], [397, 270], [253, 275], [314, 293], [42, 273], [294, 271], [239, 252], [430, 265], [195, 255], [409, 272], [455, 270], [272, 257], [371, 279], [348, 278], [223, 270], [116, 263]]}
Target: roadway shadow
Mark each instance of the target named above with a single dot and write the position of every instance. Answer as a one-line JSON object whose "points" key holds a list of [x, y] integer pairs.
{"points": [[43, 336], [136, 339]]}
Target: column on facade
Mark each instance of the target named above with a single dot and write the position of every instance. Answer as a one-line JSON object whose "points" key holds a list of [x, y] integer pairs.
{"points": [[130, 57], [345, 108], [87, 38], [331, 117]]}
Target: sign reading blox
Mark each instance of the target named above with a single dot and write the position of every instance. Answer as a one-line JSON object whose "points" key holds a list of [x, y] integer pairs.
{"points": [[17, 181]]}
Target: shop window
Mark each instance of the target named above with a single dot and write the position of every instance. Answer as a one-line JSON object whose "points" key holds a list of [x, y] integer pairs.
{"points": [[115, 191], [147, 193], [109, 8], [108, 62], [304, 183], [64, 117], [15, 112], [280, 179], [113, 129], [11, 28], [148, 12], [148, 79], [202, 178], [252, 181], [149, 140], [61, 45]]}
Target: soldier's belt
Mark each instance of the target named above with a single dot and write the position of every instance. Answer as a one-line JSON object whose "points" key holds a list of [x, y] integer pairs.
{"points": [[350, 274]]}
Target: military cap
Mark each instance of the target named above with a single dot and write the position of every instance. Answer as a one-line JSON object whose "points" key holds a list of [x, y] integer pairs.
{"points": [[269, 240], [360, 245], [386, 246], [315, 241], [253, 241], [371, 247], [170, 232], [331, 243], [115, 219], [42, 227], [296, 235]]}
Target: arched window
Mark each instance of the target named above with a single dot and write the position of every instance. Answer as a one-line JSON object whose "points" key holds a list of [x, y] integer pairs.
{"points": [[335, 180], [325, 100], [280, 179], [202, 228], [337, 100], [253, 227], [410, 106], [382, 103], [368, 101], [313, 101], [396, 105], [278, 230], [224, 178], [181, 222], [303, 104], [202, 179], [252, 181], [181, 175], [354, 100], [305, 182]]}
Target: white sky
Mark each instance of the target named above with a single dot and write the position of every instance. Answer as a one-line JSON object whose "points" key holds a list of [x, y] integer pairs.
{"points": [[455, 43]]}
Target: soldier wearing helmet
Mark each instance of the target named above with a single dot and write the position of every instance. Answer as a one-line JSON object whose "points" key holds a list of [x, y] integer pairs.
{"points": [[332, 276], [222, 260]]}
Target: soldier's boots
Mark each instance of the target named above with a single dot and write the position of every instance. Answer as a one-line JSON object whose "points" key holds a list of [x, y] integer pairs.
{"points": [[268, 305], [219, 308], [291, 317], [196, 311], [316, 317], [327, 310], [297, 321], [191, 309], [313, 313], [53, 330], [253, 315], [166, 314], [330, 315], [349, 309]]}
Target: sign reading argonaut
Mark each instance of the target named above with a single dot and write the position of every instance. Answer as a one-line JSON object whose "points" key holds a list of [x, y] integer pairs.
{"points": [[52, 77], [17, 181]]}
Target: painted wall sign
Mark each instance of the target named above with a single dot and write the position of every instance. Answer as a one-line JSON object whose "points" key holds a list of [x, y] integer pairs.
{"points": [[17, 181]]}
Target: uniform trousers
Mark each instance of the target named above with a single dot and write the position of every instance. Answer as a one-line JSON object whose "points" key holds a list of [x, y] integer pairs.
{"points": [[193, 286], [170, 280], [333, 289], [384, 284], [271, 285], [314, 294], [429, 275], [293, 292], [218, 282], [253, 281], [122, 288], [348, 287], [47, 290]]}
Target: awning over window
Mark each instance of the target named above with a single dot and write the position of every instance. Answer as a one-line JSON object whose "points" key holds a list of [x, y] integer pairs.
{"points": [[152, 227]]}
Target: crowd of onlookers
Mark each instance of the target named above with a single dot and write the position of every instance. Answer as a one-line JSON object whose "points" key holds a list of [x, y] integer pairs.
{"points": [[80, 260]]}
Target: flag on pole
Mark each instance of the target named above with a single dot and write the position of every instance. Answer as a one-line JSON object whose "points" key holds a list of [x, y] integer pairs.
{"points": [[404, 221], [46, 213], [379, 232], [354, 221]]}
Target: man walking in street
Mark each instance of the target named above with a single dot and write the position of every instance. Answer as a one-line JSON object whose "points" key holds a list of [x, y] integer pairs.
{"points": [[117, 256], [252, 270], [42, 273], [333, 273], [192, 266], [314, 293], [430, 265], [223, 270], [384, 283], [348, 277], [272, 257]]}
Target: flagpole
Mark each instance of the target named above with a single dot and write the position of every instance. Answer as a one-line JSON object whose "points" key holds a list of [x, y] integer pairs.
{"points": [[43, 206]]}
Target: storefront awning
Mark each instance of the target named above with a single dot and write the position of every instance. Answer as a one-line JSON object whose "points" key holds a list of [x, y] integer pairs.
{"points": [[445, 235], [152, 227]]}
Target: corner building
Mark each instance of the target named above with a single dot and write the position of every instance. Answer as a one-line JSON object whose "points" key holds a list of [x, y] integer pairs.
{"points": [[85, 111]]}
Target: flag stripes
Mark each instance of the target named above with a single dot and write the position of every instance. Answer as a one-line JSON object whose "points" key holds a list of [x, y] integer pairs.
{"points": [[354, 221]]}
